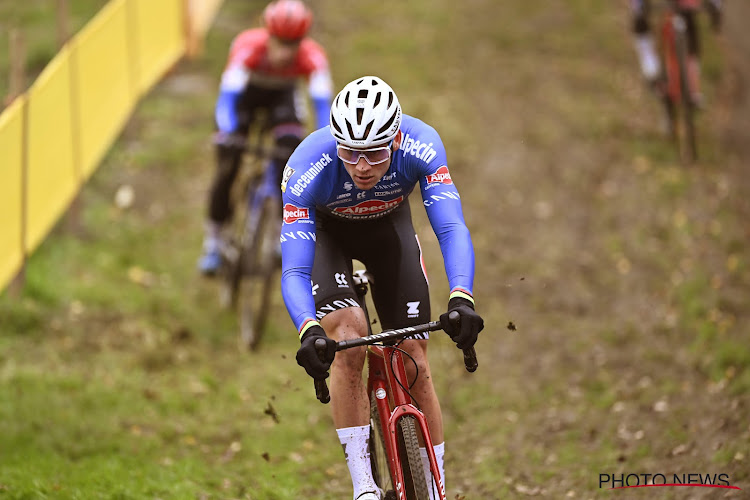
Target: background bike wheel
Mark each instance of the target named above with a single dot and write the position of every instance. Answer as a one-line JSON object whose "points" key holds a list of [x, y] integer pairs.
{"points": [[378, 459], [236, 253], [261, 262], [415, 483]]}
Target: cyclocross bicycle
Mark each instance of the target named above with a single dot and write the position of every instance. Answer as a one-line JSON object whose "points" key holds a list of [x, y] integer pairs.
{"points": [[397, 425], [252, 257], [679, 103]]}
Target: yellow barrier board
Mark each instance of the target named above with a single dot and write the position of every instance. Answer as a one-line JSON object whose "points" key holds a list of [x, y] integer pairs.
{"points": [[159, 29], [106, 88], [11, 158], [77, 107], [52, 180]]}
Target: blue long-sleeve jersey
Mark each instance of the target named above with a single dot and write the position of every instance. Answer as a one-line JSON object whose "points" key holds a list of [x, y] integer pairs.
{"points": [[315, 181]]}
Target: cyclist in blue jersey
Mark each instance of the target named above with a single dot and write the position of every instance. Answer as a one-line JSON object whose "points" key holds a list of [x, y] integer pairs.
{"points": [[345, 195]]}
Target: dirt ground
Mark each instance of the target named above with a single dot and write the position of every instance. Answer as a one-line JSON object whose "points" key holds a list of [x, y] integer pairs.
{"points": [[592, 364], [563, 240]]}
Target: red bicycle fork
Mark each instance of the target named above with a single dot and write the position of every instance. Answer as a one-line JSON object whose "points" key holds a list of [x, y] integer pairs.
{"points": [[670, 59], [382, 380]]}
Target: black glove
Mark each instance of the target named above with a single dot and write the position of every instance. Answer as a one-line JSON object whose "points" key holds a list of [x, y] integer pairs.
{"points": [[307, 355], [464, 332]]}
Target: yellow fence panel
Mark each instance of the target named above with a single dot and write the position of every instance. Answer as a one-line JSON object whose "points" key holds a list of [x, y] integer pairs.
{"points": [[159, 38], [52, 179], [11, 187], [105, 85]]}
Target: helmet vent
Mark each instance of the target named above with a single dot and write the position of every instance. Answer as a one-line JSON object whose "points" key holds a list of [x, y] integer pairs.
{"points": [[346, 98], [377, 99], [387, 124], [390, 99], [367, 130], [362, 94], [360, 112], [336, 126]]}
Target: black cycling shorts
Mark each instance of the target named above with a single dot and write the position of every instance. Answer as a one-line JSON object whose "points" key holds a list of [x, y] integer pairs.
{"points": [[278, 106], [390, 250]]}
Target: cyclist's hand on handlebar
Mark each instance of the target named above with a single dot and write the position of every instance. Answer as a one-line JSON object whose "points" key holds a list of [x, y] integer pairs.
{"points": [[307, 355], [465, 330]]}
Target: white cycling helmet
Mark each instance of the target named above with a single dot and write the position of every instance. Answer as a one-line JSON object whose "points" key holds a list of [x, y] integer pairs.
{"points": [[365, 114]]}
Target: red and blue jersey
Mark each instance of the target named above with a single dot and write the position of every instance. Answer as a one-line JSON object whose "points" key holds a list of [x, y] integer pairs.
{"points": [[315, 181], [248, 63]]}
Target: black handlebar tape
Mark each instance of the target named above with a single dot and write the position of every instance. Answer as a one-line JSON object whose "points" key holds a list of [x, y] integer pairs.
{"points": [[470, 359], [321, 389], [470, 355]]}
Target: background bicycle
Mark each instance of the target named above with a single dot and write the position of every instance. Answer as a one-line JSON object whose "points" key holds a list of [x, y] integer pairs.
{"points": [[252, 258], [679, 36], [678, 87], [403, 461]]}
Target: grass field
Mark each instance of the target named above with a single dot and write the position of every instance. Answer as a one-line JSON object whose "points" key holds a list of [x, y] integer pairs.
{"points": [[625, 274]]}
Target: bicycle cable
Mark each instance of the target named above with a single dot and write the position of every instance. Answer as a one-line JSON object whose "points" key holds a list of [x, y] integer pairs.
{"points": [[416, 375]]}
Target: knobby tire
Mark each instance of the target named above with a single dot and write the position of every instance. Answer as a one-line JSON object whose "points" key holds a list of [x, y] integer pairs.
{"points": [[415, 482], [259, 267]]}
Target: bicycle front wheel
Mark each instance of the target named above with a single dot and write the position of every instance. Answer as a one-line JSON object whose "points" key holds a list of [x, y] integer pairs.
{"points": [[260, 264], [415, 482]]}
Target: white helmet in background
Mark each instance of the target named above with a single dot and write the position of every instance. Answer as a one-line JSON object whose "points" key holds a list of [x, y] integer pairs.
{"points": [[365, 114]]}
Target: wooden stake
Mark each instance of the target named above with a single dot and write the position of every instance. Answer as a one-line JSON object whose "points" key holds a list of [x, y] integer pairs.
{"points": [[63, 22], [17, 65]]}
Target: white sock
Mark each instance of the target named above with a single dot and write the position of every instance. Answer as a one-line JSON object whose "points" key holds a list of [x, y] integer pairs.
{"points": [[212, 240], [439, 454], [647, 57], [355, 443]]}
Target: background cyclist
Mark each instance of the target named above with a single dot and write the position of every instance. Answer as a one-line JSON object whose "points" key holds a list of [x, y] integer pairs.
{"points": [[345, 194], [261, 76], [644, 41]]}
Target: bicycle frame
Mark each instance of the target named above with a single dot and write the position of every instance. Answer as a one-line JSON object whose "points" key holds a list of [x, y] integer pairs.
{"points": [[259, 189], [387, 380], [672, 23], [393, 403], [251, 254], [678, 88]]}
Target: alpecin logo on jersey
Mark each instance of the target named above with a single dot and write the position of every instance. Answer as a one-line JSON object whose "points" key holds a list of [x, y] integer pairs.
{"points": [[294, 213], [369, 207], [441, 175], [415, 147]]}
